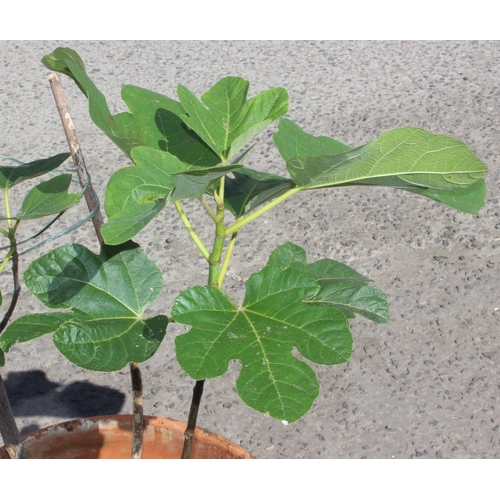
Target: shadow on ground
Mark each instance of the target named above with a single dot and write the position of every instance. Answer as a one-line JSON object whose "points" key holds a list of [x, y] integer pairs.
{"points": [[31, 393]]}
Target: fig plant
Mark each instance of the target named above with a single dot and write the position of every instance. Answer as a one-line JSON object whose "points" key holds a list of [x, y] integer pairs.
{"points": [[193, 147]]}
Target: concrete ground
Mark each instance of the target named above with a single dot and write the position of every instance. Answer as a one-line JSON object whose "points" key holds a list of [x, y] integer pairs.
{"points": [[425, 385]]}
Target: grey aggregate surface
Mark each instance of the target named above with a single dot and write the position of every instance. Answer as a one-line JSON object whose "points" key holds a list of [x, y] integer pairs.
{"points": [[425, 385]]}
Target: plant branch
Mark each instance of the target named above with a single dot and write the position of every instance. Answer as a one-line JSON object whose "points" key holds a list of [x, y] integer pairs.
{"points": [[254, 215], [191, 231], [138, 414], [17, 287], [8, 427], [193, 415], [76, 154]]}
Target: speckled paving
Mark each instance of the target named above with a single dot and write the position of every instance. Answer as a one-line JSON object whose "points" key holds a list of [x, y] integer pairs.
{"points": [[426, 385]]}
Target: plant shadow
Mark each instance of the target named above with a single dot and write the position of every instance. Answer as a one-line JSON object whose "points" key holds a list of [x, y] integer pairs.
{"points": [[31, 393]]}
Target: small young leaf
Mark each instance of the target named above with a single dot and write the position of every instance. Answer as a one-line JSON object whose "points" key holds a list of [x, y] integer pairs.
{"points": [[262, 334], [49, 198], [10, 176], [225, 119], [107, 293]]}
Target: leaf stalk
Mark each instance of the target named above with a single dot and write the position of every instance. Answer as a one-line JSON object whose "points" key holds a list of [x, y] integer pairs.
{"points": [[227, 258], [254, 215], [191, 231]]}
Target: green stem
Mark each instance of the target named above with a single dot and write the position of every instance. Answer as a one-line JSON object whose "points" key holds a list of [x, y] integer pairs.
{"points": [[209, 211], [11, 233], [215, 258], [227, 258], [191, 231], [7, 207], [7, 258], [245, 220], [220, 238], [222, 184]]}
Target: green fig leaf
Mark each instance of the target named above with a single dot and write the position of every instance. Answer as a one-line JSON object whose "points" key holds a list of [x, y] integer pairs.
{"points": [[147, 181], [136, 195], [262, 333], [47, 198], [130, 221], [249, 189], [469, 200], [292, 141], [108, 295], [10, 176], [32, 326], [170, 133], [341, 287], [225, 119], [401, 158], [155, 120]]}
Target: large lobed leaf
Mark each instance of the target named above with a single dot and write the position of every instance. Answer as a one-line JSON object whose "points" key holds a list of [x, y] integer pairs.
{"points": [[154, 121], [280, 312], [107, 294], [412, 159], [225, 119]]}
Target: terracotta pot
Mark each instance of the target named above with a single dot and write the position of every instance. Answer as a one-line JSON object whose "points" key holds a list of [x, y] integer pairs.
{"points": [[110, 436]]}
